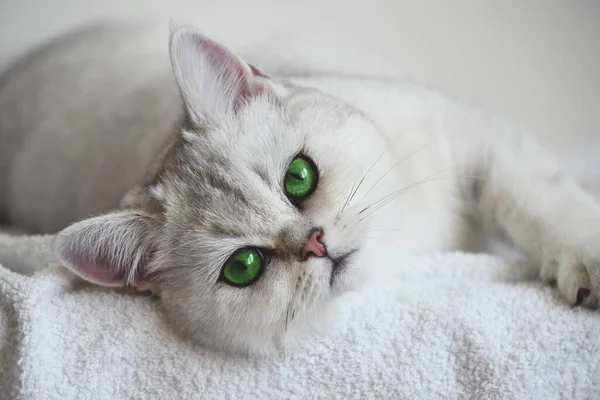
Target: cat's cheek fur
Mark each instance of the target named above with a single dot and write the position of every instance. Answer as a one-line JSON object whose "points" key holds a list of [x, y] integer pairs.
{"points": [[275, 314]]}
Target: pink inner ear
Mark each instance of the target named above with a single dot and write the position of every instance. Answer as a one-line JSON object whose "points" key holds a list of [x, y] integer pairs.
{"points": [[99, 272], [234, 70]]}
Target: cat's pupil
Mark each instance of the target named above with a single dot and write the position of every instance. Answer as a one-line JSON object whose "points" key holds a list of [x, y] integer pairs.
{"points": [[298, 176], [240, 264]]}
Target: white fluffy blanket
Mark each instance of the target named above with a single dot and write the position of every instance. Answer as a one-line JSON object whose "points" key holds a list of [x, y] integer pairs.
{"points": [[452, 326]]}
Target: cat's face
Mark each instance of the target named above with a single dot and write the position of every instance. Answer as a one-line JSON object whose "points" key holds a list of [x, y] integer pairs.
{"points": [[251, 229]]}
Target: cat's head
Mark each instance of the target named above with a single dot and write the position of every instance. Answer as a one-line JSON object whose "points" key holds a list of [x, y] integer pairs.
{"points": [[252, 228]]}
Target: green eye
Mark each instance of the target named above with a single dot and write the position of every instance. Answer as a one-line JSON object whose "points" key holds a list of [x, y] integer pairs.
{"points": [[243, 267], [300, 178]]}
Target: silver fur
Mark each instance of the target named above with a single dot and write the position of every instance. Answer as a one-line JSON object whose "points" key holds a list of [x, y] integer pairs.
{"points": [[198, 182]]}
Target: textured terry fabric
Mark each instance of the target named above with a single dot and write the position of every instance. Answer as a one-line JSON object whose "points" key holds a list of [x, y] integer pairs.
{"points": [[443, 326]]}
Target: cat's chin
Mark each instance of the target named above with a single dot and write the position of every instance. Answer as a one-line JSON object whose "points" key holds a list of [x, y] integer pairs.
{"points": [[300, 333], [303, 330]]}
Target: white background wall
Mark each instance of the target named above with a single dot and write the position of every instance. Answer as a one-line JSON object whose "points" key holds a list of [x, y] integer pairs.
{"points": [[534, 61]]}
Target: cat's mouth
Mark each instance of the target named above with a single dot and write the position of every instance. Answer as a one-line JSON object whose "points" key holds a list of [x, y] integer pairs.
{"points": [[339, 264]]}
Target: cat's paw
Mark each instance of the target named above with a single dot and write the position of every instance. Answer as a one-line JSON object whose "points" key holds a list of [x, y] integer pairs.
{"points": [[577, 276]]}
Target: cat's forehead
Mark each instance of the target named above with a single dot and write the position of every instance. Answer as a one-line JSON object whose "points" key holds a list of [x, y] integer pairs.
{"points": [[219, 193], [230, 177], [266, 128]]}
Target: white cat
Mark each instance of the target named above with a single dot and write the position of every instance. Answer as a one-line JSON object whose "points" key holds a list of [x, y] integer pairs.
{"points": [[250, 204]]}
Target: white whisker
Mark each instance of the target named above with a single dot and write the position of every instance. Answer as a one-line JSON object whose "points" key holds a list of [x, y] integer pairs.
{"points": [[406, 158]]}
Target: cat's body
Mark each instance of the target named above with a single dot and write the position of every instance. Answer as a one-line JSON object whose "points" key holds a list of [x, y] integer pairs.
{"points": [[103, 102], [396, 162]]}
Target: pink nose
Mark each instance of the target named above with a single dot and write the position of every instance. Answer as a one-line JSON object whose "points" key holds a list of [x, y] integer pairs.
{"points": [[314, 246]]}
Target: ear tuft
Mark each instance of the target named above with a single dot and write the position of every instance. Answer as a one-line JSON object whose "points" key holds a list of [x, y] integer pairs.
{"points": [[110, 250], [213, 80]]}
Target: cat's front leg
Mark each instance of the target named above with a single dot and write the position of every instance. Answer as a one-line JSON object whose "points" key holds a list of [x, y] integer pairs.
{"points": [[518, 187]]}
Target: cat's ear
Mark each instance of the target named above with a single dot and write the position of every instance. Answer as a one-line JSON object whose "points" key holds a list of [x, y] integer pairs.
{"points": [[213, 80], [109, 250]]}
